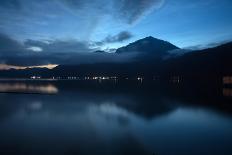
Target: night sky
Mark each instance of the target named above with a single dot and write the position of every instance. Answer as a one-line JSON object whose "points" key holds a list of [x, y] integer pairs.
{"points": [[42, 32]]}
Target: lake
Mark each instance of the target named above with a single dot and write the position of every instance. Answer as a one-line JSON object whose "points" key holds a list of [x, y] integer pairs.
{"points": [[104, 118]]}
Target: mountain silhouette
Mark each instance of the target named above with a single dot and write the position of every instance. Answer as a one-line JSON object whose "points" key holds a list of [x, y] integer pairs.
{"points": [[211, 61], [148, 46]]}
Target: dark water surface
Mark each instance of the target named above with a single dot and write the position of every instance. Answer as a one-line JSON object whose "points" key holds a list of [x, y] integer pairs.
{"points": [[111, 118]]}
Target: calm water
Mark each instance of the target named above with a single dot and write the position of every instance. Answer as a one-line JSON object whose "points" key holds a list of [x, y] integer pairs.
{"points": [[102, 118]]}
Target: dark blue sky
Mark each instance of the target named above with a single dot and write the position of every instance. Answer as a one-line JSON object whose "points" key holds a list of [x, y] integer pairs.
{"points": [[74, 26]]}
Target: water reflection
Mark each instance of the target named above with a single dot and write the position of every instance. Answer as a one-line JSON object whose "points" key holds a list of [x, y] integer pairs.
{"points": [[27, 88], [113, 120]]}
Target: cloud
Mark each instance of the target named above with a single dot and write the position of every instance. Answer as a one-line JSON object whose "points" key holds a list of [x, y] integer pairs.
{"points": [[120, 37], [123, 12], [63, 46], [14, 4], [131, 11], [128, 11], [53, 52], [40, 19], [35, 49], [9, 45], [38, 59]]}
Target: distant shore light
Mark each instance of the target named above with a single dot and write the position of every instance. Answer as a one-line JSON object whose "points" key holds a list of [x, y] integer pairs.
{"points": [[7, 67]]}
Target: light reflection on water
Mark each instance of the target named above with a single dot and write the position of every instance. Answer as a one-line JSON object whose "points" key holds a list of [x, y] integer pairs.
{"points": [[87, 121], [28, 88]]}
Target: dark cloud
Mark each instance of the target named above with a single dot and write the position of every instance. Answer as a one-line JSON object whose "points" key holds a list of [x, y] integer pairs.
{"points": [[36, 59], [60, 46], [42, 18], [128, 11], [122, 36], [9, 45], [53, 52], [14, 4], [132, 10]]}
